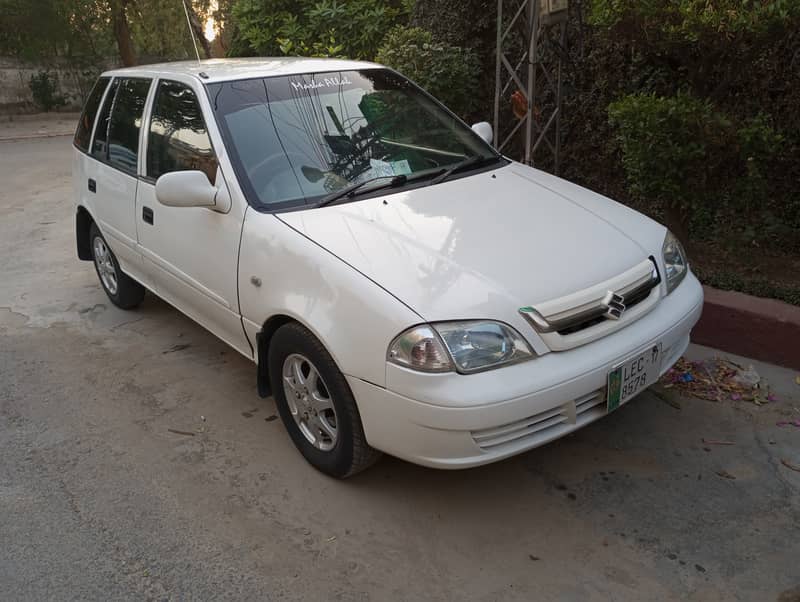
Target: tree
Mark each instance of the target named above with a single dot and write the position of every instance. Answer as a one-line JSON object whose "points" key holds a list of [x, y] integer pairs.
{"points": [[40, 29], [88, 32], [122, 32], [198, 29]]}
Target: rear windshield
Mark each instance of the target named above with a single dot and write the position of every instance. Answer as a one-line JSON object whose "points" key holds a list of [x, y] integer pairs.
{"points": [[296, 139], [84, 132]]}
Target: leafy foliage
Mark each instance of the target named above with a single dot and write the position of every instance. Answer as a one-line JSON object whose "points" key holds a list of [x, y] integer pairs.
{"points": [[36, 29], [692, 20], [730, 279], [686, 157], [44, 89], [739, 68], [448, 72], [471, 25], [317, 28]]}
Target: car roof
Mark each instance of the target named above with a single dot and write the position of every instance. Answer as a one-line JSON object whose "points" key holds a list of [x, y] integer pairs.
{"points": [[215, 70]]}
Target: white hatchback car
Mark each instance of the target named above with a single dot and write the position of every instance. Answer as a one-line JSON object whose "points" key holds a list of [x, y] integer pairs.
{"points": [[400, 285]]}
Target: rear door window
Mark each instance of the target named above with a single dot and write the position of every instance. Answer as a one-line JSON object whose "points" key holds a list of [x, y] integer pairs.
{"points": [[178, 139], [83, 134], [126, 121], [99, 146]]}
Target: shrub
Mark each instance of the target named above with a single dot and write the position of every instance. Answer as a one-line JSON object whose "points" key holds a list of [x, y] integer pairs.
{"points": [[44, 91], [691, 20], [314, 27], [448, 72], [689, 159]]}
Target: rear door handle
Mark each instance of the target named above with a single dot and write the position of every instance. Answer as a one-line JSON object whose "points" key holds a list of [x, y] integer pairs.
{"points": [[147, 215], [92, 185]]}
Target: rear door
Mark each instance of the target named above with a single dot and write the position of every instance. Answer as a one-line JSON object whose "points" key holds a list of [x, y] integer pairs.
{"points": [[84, 169], [116, 148], [191, 253]]}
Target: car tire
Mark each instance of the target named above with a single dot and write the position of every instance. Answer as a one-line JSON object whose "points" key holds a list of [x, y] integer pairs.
{"points": [[316, 405], [122, 290]]}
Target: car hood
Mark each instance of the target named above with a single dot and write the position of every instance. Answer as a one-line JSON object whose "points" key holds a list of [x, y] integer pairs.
{"points": [[480, 246]]}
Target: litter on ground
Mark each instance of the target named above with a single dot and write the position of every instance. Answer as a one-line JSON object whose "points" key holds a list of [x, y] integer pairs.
{"points": [[717, 379], [789, 465]]}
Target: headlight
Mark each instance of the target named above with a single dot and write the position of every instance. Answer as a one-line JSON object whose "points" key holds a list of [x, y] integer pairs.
{"points": [[468, 346], [420, 348], [675, 261]]}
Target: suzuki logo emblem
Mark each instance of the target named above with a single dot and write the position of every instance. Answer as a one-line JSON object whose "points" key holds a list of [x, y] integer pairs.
{"points": [[615, 304]]}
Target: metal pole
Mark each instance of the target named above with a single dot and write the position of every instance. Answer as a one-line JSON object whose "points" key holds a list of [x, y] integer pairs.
{"points": [[533, 56], [531, 21], [498, 72], [557, 151], [531, 79]]}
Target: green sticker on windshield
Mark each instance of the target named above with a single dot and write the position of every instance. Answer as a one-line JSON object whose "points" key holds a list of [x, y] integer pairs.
{"points": [[384, 169], [401, 168]]}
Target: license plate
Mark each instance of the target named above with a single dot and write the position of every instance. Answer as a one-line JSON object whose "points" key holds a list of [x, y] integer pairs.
{"points": [[633, 376]]}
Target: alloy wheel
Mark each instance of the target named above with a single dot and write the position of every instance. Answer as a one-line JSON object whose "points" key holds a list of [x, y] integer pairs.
{"points": [[105, 265], [310, 402]]}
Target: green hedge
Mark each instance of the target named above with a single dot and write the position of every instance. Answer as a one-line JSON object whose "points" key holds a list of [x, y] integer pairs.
{"points": [[448, 72], [688, 159]]}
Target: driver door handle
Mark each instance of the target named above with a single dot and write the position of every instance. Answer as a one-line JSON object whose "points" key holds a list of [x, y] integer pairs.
{"points": [[147, 215]]}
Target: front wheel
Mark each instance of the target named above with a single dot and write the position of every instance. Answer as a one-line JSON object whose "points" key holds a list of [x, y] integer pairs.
{"points": [[122, 290], [316, 404]]}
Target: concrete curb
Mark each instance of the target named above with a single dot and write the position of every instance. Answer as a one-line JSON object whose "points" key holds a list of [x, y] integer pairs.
{"points": [[34, 136], [763, 329]]}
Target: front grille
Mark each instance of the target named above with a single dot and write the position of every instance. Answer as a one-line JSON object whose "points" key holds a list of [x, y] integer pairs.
{"points": [[630, 299], [594, 312], [544, 426]]}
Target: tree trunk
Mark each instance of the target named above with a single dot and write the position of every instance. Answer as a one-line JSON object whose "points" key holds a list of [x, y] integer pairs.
{"points": [[199, 31], [122, 32]]}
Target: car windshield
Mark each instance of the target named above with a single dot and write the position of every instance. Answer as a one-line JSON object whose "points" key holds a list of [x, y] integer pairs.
{"points": [[298, 139]]}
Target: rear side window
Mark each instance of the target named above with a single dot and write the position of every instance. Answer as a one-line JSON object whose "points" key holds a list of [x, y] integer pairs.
{"points": [[84, 132], [126, 121], [99, 146], [178, 139]]}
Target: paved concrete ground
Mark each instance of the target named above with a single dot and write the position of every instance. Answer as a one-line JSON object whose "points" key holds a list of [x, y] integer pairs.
{"points": [[39, 125], [99, 500]]}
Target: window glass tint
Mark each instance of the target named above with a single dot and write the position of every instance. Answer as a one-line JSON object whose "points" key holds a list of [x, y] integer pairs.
{"points": [[299, 138], [178, 139], [126, 120], [84, 131], [99, 146]]}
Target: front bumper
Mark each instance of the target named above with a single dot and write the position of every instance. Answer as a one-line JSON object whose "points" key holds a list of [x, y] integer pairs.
{"points": [[459, 421]]}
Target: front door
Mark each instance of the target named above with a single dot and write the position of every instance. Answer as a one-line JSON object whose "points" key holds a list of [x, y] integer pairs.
{"points": [[191, 253]]}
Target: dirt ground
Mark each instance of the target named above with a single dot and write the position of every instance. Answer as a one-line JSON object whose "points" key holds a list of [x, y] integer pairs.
{"points": [[100, 500]]}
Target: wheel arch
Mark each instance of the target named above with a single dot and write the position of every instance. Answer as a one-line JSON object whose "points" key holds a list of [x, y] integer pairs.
{"points": [[83, 225], [263, 340]]}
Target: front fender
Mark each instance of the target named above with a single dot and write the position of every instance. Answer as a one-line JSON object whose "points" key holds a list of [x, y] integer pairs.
{"points": [[283, 273]]}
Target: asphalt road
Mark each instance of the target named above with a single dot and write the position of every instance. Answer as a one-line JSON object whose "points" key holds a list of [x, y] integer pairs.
{"points": [[99, 500]]}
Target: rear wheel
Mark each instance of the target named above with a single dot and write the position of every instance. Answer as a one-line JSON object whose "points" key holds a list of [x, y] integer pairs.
{"points": [[316, 404], [122, 290]]}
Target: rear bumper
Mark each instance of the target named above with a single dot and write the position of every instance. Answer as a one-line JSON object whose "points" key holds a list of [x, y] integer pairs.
{"points": [[457, 421]]}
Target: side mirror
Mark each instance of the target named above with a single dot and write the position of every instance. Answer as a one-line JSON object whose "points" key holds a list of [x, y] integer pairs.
{"points": [[484, 130], [186, 189]]}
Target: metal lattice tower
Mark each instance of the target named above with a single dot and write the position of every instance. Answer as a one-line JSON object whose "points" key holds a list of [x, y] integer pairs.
{"points": [[538, 27]]}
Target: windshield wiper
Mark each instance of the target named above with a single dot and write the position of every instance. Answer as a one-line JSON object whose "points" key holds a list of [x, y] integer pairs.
{"points": [[350, 191], [465, 164]]}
